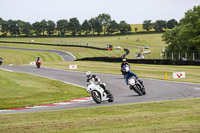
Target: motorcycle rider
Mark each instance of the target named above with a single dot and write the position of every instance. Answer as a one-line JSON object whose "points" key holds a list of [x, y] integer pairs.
{"points": [[124, 62], [94, 79], [129, 74], [38, 59]]}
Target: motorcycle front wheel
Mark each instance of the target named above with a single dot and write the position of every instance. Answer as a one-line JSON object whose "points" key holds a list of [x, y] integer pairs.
{"points": [[137, 89], [96, 96]]}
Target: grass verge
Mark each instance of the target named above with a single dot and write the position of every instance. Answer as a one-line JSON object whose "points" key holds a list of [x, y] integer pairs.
{"points": [[22, 90], [19, 57], [142, 70], [181, 116]]}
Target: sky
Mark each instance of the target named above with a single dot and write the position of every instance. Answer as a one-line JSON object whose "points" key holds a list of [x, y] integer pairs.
{"points": [[132, 11]]}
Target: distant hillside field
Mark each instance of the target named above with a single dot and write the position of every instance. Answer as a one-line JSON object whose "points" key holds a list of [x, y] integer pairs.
{"points": [[153, 41], [139, 28]]}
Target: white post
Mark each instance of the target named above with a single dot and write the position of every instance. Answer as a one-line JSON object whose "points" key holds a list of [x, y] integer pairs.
{"points": [[186, 55], [193, 57]]}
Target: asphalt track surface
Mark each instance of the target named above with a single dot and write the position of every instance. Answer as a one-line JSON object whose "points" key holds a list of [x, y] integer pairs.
{"points": [[157, 90], [65, 56]]}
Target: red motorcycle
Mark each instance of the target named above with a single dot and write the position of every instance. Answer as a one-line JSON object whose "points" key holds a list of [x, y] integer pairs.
{"points": [[38, 63]]}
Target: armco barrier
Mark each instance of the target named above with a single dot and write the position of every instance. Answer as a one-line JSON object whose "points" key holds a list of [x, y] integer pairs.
{"points": [[143, 61], [56, 45]]}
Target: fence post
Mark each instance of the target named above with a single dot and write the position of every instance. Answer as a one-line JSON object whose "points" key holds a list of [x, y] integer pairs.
{"points": [[172, 56], [186, 55], [193, 56]]}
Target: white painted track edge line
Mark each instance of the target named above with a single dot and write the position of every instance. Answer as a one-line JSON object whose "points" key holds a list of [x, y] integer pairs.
{"points": [[6, 70]]}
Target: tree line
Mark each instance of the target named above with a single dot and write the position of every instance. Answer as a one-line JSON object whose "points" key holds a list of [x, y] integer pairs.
{"points": [[159, 25], [100, 24], [185, 38], [97, 25]]}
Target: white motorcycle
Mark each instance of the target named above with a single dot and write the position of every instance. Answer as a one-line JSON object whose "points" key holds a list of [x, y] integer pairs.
{"points": [[98, 93], [135, 85]]}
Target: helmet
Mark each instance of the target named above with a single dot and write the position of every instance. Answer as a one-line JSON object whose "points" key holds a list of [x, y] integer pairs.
{"points": [[88, 74], [124, 61]]}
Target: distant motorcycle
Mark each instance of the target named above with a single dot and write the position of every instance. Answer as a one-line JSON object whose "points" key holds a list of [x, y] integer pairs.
{"points": [[1, 60], [38, 63], [98, 94], [135, 85]]}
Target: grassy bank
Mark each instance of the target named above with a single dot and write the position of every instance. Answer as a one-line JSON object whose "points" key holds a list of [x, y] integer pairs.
{"points": [[142, 70], [180, 116], [77, 52], [154, 41], [22, 90], [19, 57]]}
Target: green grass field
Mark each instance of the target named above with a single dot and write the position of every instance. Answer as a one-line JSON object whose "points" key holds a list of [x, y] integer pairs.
{"points": [[77, 52], [180, 116], [142, 70], [23, 90], [19, 57], [139, 28], [153, 41]]}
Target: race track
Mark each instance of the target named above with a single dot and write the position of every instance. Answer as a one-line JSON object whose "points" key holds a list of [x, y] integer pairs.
{"points": [[157, 90]]}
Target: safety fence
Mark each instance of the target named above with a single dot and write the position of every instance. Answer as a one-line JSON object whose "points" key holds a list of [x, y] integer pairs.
{"points": [[91, 47]]}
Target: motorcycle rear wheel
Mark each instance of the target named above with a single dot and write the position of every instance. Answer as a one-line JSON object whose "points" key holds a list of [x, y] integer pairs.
{"points": [[96, 96], [110, 95]]}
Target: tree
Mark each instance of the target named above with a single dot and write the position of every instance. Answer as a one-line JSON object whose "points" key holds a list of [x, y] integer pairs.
{"points": [[50, 27], [62, 26], [172, 23], [105, 20], [190, 30], [43, 25], [1, 23], [159, 25], [4, 27], [186, 36], [20, 25], [74, 26], [112, 27], [98, 27], [37, 28], [171, 38], [92, 22], [124, 27], [147, 25], [86, 27], [25, 27], [13, 27]]}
